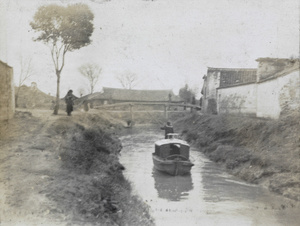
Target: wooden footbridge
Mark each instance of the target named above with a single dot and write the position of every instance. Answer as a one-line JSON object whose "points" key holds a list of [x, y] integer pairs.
{"points": [[131, 105]]}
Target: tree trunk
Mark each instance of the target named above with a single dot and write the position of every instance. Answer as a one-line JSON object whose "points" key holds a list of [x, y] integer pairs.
{"points": [[16, 100], [17, 97], [56, 107]]}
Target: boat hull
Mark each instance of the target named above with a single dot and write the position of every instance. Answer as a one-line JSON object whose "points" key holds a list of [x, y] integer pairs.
{"points": [[172, 167]]}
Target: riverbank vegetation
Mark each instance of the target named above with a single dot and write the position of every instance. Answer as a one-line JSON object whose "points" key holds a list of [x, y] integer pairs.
{"points": [[99, 193], [261, 151], [66, 170]]}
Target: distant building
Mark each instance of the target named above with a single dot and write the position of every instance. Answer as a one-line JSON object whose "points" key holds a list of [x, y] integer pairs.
{"points": [[114, 95], [31, 97], [263, 92], [7, 93]]}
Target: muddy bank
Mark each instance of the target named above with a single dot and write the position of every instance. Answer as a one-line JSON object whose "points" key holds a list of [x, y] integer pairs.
{"points": [[259, 151], [60, 170]]}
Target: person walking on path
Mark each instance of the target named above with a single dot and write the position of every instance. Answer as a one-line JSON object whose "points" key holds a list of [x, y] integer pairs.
{"points": [[69, 99], [168, 129]]}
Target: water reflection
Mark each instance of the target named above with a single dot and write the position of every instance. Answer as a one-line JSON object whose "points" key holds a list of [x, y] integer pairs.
{"points": [[207, 196], [219, 186], [170, 187]]}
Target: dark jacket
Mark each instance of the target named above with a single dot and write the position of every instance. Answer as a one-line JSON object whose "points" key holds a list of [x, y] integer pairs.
{"points": [[69, 99], [168, 129]]}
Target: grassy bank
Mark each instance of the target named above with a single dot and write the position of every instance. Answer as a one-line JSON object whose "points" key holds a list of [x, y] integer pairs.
{"points": [[60, 170], [257, 150], [93, 188]]}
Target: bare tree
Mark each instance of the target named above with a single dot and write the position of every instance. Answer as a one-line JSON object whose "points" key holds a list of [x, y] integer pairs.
{"points": [[81, 91], [92, 73], [26, 71], [128, 80]]}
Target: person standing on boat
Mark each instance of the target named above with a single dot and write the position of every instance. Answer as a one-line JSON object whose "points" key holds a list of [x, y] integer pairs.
{"points": [[168, 129]]}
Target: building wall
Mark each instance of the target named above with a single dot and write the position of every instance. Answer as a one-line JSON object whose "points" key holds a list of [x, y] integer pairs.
{"points": [[270, 91], [7, 99], [211, 84], [276, 95], [237, 99]]}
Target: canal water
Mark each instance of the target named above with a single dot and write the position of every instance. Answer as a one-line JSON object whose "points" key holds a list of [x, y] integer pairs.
{"points": [[208, 196]]}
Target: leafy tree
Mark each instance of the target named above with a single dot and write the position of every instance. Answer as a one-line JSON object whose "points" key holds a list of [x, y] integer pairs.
{"points": [[92, 73], [186, 93], [128, 80], [63, 29]]}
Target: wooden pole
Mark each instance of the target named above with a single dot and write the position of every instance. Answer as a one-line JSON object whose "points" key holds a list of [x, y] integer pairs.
{"points": [[131, 112], [166, 112]]}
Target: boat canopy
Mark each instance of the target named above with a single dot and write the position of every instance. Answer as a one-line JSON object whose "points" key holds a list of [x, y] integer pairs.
{"points": [[172, 139], [172, 136], [165, 149]]}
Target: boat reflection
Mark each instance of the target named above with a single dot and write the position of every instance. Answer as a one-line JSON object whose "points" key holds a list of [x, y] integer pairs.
{"points": [[170, 187]]}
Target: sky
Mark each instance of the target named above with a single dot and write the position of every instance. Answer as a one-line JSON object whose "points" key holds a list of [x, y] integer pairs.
{"points": [[166, 43]]}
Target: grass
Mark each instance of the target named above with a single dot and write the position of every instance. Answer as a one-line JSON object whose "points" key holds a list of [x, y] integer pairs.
{"points": [[257, 150], [92, 187]]}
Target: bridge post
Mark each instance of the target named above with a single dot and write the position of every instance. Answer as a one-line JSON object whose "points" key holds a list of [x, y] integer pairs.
{"points": [[165, 112], [85, 106], [131, 112]]}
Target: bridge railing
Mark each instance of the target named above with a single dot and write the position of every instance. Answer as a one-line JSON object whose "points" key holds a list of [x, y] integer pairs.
{"points": [[132, 104], [148, 104]]}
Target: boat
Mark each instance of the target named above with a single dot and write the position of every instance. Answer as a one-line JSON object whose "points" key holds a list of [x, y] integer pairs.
{"points": [[172, 155]]}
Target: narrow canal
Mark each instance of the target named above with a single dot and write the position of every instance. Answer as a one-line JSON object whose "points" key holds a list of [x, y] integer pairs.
{"points": [[208, 196]]}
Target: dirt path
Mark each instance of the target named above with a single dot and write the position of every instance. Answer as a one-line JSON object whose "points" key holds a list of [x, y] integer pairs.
{"points": [[29, 162], [60, 170]]}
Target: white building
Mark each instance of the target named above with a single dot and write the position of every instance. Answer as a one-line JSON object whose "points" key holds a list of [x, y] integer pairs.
{"points": [[264, 92]]}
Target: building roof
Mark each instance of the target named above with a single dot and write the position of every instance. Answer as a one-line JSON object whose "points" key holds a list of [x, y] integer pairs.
{"points": [[230, 69], [271, 68], [28, 95], [235, 76], [270, 59], [5, 64], [281, 71], [135, 95]]}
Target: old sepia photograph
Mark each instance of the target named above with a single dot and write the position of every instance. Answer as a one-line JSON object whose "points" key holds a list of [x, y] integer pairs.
{"points": [[149, 113]]}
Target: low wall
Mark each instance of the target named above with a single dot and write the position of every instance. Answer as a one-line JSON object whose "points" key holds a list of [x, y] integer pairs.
{"points": [[237, 99], [278, 94], [7, 95]]}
